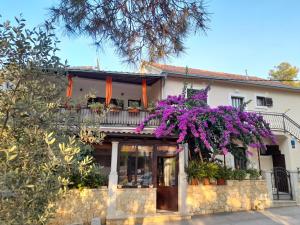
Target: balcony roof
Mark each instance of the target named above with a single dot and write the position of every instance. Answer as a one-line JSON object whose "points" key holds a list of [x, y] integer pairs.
{"points": [[122, 77]]}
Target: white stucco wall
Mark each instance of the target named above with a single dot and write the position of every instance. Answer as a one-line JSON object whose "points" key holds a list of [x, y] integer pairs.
{"points": [[220, 94]]}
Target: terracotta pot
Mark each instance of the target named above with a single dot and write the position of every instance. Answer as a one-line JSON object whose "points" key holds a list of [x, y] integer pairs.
{"points": [[206, 181], [194, 181], [221, 181], [115, 109], [133, 110]]}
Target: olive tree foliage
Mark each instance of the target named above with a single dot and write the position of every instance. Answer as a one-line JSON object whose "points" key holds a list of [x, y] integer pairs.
{"points": [[136, 28], [35, 162]]}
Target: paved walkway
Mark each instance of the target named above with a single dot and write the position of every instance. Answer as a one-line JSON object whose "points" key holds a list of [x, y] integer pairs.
{"points": [[284, 215]]}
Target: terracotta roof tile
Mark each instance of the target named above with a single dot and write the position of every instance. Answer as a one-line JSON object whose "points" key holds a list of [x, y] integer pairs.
{"points": [[217, 75]]}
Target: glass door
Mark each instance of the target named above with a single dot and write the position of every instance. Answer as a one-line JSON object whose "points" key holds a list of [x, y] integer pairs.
{"points": [[167, 178]]}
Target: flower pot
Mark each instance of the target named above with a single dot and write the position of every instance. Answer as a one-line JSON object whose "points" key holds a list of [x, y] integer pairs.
{"points": [[115, 109], [221, 181], [194, 181], [134, 110], [206, 181]]}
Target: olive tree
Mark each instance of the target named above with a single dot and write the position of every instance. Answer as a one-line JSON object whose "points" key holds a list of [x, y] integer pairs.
{"points": [[36, 156]]}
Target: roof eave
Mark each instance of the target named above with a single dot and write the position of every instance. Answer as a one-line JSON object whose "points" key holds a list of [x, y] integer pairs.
{"points": [[227, 80]]}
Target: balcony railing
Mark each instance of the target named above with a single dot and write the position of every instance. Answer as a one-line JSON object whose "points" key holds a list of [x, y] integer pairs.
{"points": [[110, 118], [278, 121], [282, 122]]}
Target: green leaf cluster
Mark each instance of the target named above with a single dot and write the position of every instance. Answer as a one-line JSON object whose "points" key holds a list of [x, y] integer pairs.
{"points": [[37, 155]]}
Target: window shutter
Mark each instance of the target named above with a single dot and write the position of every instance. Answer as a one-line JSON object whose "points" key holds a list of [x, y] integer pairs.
{"points": [[269, 102]]}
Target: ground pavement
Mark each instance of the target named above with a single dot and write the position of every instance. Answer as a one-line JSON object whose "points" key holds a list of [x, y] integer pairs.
{"points": [[274, 216]]}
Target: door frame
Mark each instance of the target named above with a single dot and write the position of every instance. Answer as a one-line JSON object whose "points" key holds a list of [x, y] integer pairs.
{"points": [[168, 190]]}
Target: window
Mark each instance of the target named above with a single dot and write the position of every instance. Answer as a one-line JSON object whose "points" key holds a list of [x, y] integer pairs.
{"points": [[102, 155], [190, 92], [134, 103], [117, 102], [237, 101], [263, 101], [135, 165]]}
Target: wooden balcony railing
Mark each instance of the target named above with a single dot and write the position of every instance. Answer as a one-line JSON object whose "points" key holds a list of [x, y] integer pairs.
{"points": [[109, 118]]}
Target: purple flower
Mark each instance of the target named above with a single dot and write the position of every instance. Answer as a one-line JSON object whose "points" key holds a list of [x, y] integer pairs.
{"points": [[214, 128]]}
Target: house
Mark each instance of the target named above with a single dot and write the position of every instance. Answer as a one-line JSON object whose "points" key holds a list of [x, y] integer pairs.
{"points": [[147, 176]]}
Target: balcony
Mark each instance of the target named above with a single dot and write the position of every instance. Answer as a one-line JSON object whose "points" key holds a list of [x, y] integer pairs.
{"points": [[123, 118]]}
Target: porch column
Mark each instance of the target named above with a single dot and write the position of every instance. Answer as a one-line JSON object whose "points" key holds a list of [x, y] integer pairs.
{"points": [[113, 181], [268, 177], [294, 184], [182, 182], [229, 160]]}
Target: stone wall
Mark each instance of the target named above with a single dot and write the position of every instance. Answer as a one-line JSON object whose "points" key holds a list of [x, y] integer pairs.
{"points": [[80, 206], [235, 196], [135, 201]]}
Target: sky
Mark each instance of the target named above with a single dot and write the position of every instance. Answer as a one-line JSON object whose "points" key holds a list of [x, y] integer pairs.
{"points": [[252, 35]]}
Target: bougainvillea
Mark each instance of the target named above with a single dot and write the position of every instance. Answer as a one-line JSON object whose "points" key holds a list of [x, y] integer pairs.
{"points": [[217, 130]]}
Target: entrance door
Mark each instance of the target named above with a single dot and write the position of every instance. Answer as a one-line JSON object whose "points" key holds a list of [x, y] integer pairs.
{"points": [[167, 183], [280, 173]]}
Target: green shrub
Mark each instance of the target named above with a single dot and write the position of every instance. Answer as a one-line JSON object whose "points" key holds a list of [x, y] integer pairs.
{"points": [[239, 174], [193, 170], [223, 173], [210, 169], [253, 173]]}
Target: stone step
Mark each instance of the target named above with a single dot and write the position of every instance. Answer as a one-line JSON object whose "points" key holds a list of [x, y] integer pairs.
{"points": [[284, 203], [157, 218]]}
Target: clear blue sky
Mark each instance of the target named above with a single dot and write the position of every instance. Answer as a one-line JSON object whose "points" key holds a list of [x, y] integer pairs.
{"points": [[244, 34]]}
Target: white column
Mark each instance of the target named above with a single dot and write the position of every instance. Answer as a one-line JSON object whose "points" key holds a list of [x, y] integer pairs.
{"points": [[268, 177], [182, 183], [229, 159], [113, 181], [294, 184]]}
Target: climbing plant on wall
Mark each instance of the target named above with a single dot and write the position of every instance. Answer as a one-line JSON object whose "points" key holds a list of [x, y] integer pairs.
{"points": [[213, 130]]}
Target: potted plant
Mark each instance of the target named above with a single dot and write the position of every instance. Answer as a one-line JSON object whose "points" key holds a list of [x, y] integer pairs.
{"points": [[207, 171], [97, 107], [192, 171], [253, 174], [134, 107], [239, 174], [117, 107], [151, 107], [114, 108], [222, 175]]}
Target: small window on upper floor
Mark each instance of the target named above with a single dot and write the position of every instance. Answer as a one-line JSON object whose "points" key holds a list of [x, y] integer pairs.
{"points": [[264, 101], [190, 92], [237, 101]]}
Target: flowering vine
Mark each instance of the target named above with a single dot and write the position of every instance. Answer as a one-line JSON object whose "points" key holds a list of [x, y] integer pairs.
{"points": [[217, 130]]}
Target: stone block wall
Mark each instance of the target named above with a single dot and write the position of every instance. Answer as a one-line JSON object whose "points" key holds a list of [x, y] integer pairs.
{"points": [[135, 201], [80, 206], [235, 196]]}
